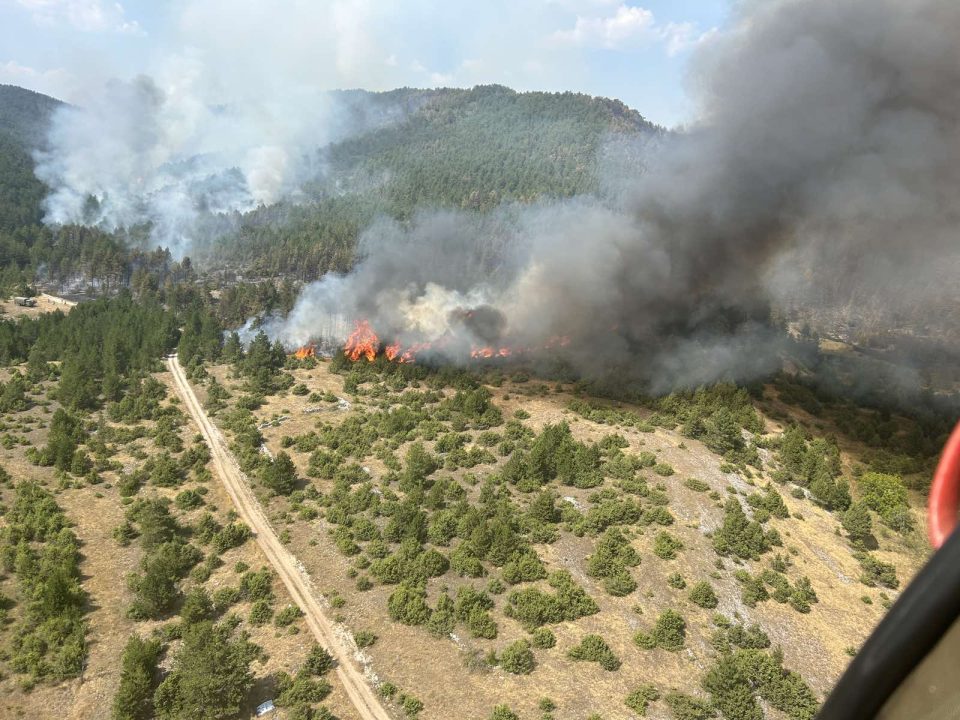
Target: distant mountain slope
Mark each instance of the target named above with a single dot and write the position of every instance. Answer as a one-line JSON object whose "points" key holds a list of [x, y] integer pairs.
{"points": [[24, 117], [431, 148], [395, 152], [474, 147]]}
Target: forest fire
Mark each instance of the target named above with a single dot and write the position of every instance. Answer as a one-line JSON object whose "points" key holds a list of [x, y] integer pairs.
{"points": [[364, 343], [307, 351]]}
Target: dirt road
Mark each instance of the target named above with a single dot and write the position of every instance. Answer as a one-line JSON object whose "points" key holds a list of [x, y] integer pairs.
{"points": [[285, 564]]}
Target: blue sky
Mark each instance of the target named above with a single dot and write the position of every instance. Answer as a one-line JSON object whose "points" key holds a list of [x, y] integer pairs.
{"points": [[637, 52]]}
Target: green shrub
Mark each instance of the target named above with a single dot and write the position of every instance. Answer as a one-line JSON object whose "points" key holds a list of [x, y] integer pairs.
{"points": [[407, 604], [287, 616], [670, 630], [737, 678], [685, 707], [752, 589], [884, 494], [411, 705], [257, 585], [738, 535], [364, 638], [645, 640], [517, 658], [443, 618], [261, 612], [696, 485], [481, 624], [640, 698], [224, 598], [663, 469], [197, 606], [188, 500], [594, 648], [533, 608], [210, 676], [877, 572], [702, 594], [138, 676], [231, 536], [300, 691], [543, 638], [319, 661], [503, 712], [665, 545]]}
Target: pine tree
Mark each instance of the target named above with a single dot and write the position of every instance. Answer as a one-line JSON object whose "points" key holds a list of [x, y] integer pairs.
{"points": [[280, 474], [134, 698], [857, 523], [210, 677]]}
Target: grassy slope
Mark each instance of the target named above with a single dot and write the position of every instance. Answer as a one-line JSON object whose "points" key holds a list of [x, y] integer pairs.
{"points": [[95, 511], [814, 644]]}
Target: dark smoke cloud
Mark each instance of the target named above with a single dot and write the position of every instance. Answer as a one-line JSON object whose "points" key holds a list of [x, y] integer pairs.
{"points": [[824, 171]]}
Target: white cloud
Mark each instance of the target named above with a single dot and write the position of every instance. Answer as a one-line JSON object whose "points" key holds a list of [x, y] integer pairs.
{"points": [[684, 36], [54, 82], [626, 28], [83, 15]]}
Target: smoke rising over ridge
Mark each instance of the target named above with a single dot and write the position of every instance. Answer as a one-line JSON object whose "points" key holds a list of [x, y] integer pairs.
{"points": [[824, 169], [162, 154]]}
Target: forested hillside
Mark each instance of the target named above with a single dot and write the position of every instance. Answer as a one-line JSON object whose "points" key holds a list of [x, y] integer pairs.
{"points": [[398, 151], [24, 115], [23, 121], [471, 149]]}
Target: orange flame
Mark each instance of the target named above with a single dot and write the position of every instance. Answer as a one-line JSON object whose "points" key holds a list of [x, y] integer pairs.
{"points": [[307, 351], [363, 342], [490, 352], [410, 354]]}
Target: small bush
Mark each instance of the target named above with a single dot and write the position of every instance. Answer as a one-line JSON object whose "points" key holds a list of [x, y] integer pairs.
{"points": [[260, 612], [670, 630], [594, 648], [364, 638], [685, 707], [543, 638], [319, 661], [640, 698], [503, 712], [517, 658], [665, 546], [287, 616], [702, 594], [696, 485]]}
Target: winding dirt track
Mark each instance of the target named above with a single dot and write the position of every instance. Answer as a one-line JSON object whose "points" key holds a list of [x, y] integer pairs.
{"points": [[285, 564]]}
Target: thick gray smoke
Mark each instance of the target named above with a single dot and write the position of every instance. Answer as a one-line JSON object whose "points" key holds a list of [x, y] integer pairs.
{"points": [[824, 171]]}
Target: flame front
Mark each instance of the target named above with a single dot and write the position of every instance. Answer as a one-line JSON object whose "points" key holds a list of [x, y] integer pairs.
{"points": [[363, 342], [307, 351]]}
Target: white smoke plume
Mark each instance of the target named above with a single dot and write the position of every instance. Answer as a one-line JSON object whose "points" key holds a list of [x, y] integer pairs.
{"points": [[161, 154]]}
